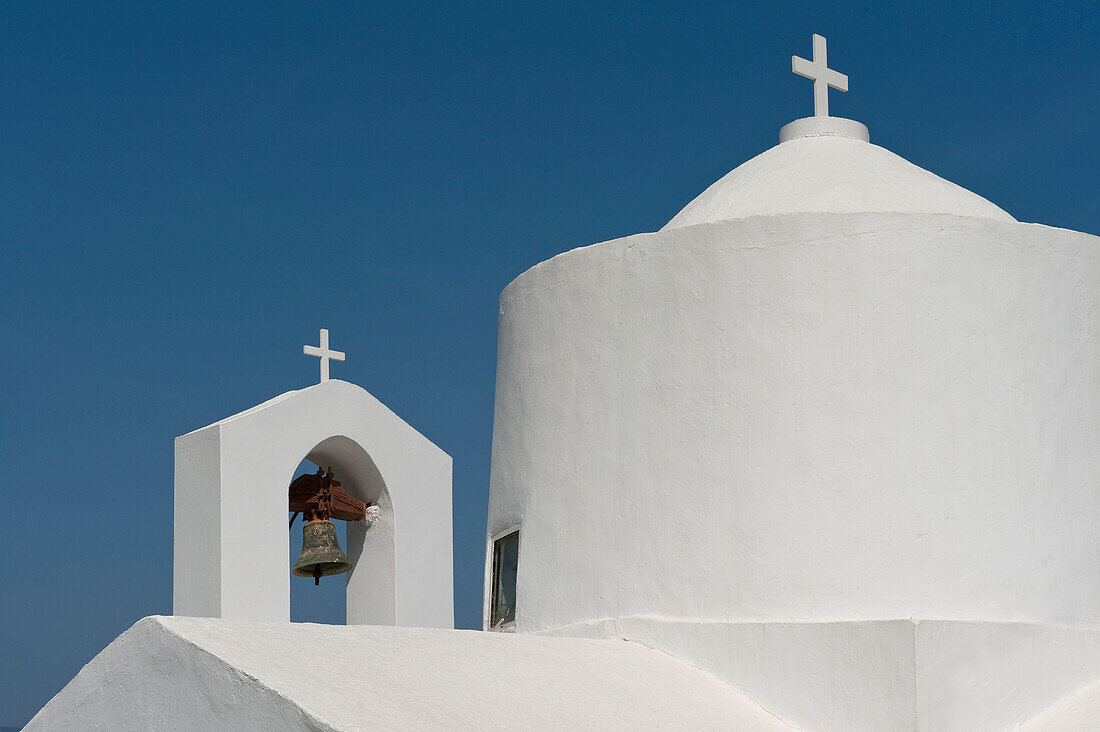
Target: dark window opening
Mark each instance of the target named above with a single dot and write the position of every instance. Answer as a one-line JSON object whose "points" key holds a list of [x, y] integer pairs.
{"points": [[505, 564]]}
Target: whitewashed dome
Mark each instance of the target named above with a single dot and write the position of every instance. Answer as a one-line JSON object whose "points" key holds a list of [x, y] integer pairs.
{"points": [[828, 165]]}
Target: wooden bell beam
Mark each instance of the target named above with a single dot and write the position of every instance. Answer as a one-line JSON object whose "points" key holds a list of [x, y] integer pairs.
{"points": [[320, 493]]}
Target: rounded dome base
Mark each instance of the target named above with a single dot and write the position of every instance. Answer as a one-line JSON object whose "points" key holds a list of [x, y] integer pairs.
{"points": [[826, 165], [813, 126]]}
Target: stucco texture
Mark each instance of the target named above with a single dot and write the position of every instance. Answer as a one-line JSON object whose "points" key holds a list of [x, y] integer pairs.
{"points": [[784, 437], [203, 673], [813, 417]]}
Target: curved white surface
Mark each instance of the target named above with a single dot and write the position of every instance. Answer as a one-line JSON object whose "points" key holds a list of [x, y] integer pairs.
{"points": [[810, 418], [883, 675], [1079, 712], [830, 173], [211, 674], [813, 126]]}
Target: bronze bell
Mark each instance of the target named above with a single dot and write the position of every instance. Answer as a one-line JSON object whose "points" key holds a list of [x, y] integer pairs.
{"points": [[321, 553]]}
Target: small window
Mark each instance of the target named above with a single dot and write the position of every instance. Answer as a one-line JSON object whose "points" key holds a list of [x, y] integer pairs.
{"points": [[505, 564]]}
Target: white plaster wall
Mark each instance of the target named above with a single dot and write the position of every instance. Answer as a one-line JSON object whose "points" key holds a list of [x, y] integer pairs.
{"points": [[876, 675], [978, 676], [196, 575], [811, 417], [1078, 712], [231, 537], [825, 677]]}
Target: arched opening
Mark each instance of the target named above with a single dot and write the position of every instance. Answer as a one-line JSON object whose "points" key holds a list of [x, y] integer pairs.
{"points": [[366, 593], [325, 602]]}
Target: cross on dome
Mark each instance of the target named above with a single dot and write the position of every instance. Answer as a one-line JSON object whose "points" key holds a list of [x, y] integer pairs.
{"points": [[324, 353], [822, 75]]}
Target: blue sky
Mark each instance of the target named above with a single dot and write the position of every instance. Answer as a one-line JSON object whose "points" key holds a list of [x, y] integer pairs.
{"points": [[188, 192]]}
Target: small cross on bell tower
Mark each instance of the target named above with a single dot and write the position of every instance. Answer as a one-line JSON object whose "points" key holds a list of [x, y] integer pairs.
{"points": [[324, 353]]}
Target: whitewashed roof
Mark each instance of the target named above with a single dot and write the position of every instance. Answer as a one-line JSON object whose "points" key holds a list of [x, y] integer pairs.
{"points": [[830, 173], [171, 673]]}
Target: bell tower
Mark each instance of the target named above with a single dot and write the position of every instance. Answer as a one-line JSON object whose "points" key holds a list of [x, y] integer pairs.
{"points": [[231, 497]]}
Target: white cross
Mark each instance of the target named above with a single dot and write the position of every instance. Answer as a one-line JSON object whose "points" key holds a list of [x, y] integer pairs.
{"points": [[324, 353], [823, 76]]}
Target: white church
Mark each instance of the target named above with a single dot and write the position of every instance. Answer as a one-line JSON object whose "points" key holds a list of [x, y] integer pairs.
{"points": [[821, 454]]}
